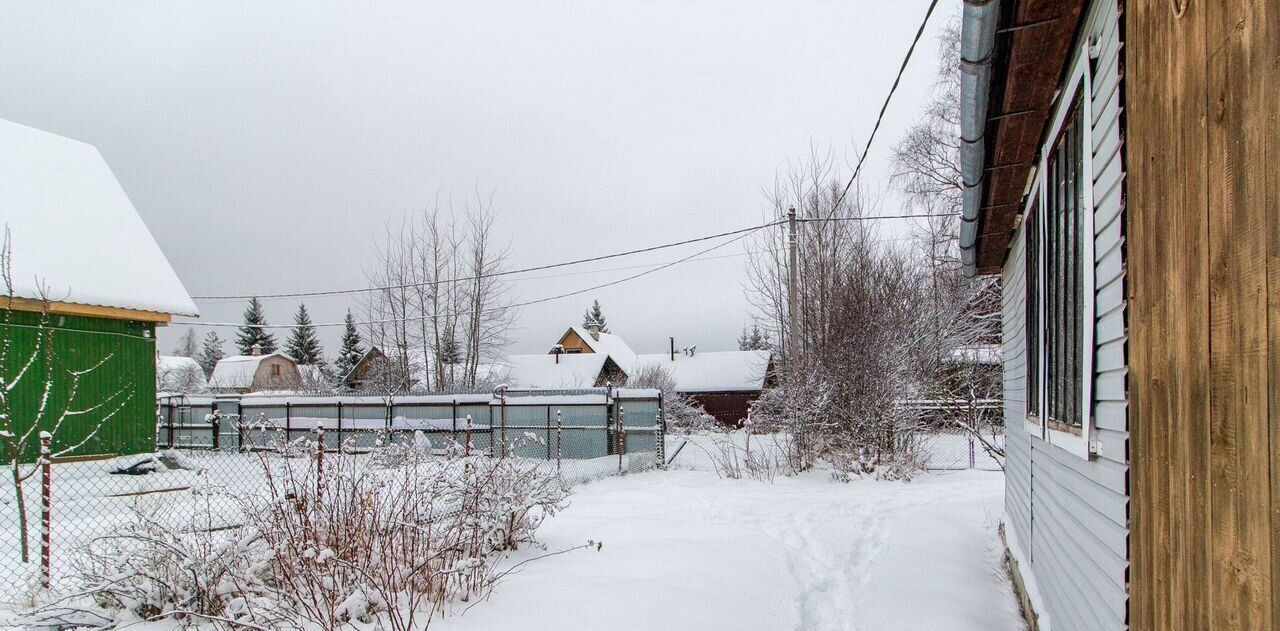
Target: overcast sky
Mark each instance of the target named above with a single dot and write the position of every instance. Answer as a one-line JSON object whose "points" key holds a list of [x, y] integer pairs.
{"points": [[267, 144]]}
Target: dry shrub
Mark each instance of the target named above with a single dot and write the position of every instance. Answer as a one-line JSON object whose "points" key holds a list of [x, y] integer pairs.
{"points": [[329, 541]]}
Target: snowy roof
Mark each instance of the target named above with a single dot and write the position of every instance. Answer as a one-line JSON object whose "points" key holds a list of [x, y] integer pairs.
{"points": [[238, 371], [574, 370], [75, 230], [609, 344], [982, 354], [723, 371], [179, 374]]}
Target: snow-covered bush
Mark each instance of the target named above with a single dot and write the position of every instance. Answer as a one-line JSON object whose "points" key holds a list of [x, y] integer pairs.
{"points": [[682, 413], [355, 542], [745, 454], [149, 570]]}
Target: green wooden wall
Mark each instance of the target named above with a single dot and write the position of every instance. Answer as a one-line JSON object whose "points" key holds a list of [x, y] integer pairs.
{"points": [[117, 398]]}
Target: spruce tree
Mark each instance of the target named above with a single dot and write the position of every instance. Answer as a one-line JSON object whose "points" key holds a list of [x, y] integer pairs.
{"points": [[350, 353], [187, 345], [594, 314], [210, 353], [250, 335], [303, 344], [449, 351], [753, 339]]}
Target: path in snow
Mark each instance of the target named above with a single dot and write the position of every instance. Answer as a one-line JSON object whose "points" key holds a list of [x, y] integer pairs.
{"points": [[686, 550]]}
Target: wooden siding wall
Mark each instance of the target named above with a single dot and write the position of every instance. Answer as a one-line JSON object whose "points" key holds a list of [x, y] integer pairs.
{"points": [[1204, 95], [1069, 514]]}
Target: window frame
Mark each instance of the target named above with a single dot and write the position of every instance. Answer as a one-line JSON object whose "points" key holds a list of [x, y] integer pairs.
{"points": [[1079, 82]]}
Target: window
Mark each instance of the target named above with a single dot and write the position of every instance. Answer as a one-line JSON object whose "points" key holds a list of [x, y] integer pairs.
{"points": [[275, 370], [1064, 274], [1060, 275], [1032, 279]]}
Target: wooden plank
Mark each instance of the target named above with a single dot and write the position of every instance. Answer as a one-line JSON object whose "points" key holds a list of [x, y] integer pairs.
{"points": [[1268, 38], [1240, 435], [1167, 233], [90, 311]]}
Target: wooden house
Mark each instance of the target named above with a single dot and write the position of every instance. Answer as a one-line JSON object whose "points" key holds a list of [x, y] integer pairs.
{"points": [[89, 285], [1120, 163], [256, 372], [725, 383]]}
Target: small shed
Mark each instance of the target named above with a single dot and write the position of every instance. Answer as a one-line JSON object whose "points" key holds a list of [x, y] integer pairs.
{"points": [[179, 375], [255, 373], [89, 287]]}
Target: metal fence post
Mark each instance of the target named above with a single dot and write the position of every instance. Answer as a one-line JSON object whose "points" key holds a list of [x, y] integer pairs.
{"points": [[468, 452], [339, 426], [559, 426], [660, 434], [288, 422], [454, 415], [170, 422], [46, 507], [621, 435], [503, 446], [548, 432], [319, 460]]}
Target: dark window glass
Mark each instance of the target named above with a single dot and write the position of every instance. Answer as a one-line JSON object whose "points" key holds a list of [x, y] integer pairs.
{"points": [[1033, 308], [1061, 254]]}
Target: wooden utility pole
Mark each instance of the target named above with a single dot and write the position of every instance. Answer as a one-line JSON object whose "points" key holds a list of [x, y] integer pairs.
{"points": [[792, 290], [793, 329]]}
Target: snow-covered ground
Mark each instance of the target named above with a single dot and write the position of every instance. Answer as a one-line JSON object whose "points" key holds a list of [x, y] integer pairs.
{"points": [[688, 550]]}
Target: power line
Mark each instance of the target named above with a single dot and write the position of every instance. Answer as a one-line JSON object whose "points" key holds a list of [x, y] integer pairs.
{"points": [[883, 108], [619, 281], [874, 217], [335, 292]]}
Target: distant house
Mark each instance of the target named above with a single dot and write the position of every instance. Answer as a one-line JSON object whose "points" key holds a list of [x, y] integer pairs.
{"points": [[86, 267], [179, 375], [724, 382], [255, 373], [373, 372]]}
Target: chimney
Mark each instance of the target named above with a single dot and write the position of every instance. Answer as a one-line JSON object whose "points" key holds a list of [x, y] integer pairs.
{"points": [[256, 349], [594, 328]]}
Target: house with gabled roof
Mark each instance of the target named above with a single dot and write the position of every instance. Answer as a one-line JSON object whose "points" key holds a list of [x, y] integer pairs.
{"points": [[725, 383], [84, 268], [256, 372]]}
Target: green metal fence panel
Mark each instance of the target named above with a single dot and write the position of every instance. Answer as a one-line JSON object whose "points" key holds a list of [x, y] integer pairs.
{"points": [[104, 369]]}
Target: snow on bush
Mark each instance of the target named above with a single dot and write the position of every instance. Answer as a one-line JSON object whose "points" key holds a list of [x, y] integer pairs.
{"points": [[329, 541], [683, 415]]}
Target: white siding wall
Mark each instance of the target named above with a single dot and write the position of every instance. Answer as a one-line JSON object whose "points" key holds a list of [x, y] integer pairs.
{"points": [[1070, 515]]}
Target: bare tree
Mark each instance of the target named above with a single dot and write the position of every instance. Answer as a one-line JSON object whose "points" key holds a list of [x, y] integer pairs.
{"points": [[959, 317], [854, 325], [41, 376], [441, 309]]}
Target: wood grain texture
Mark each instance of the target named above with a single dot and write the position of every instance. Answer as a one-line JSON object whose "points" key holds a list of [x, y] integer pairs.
{"points": [[1202, 261]]}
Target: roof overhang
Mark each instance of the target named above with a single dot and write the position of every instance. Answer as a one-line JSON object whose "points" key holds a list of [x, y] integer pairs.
{"points": [[1013, 55], [86, 311]]}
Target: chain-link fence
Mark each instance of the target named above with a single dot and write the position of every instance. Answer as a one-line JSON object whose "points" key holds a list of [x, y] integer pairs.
{"points": [[213, 452]]}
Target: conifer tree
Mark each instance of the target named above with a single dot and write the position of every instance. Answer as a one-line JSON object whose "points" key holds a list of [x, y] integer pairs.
{"points": [[753, 339], [187, 345], [351, 352], [303, 344], [254, 333], [210, 353], [596, 315]]}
